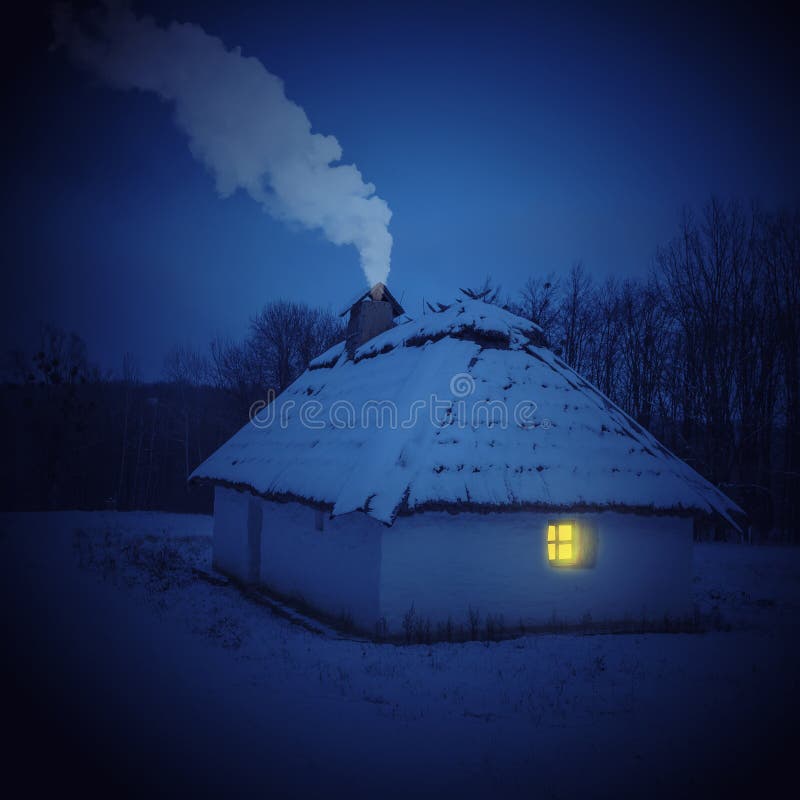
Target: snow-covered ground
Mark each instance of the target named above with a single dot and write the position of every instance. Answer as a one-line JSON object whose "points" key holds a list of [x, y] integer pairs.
{"points": [[126, 669]]}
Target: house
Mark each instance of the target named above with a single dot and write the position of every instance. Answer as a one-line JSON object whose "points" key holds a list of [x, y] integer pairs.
{"points": [[450, 463]]}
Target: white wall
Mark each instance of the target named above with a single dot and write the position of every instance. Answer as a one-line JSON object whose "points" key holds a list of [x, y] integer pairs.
{"points": [[230, 552], [497, 563], [335, 570], [443, 564]]}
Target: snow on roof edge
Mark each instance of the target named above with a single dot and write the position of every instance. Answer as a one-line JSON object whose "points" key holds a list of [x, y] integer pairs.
{"points": [[473, 508]]}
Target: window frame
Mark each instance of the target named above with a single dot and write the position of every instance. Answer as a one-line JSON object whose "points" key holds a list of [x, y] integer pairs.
{"points": [[575, 539]]}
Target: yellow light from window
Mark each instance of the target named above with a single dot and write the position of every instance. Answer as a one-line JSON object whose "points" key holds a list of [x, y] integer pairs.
{"points": [[563, 544]]}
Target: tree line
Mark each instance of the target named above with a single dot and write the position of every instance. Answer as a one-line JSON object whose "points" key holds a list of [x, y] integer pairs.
{"points": [[704, 352], [81, 438]]}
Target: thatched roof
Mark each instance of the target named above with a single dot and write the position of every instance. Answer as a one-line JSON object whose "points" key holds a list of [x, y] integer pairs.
{"points": [[576, 451]]}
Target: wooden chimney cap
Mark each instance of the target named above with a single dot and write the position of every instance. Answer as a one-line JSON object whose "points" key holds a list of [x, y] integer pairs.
{"points": [[378, 293]]}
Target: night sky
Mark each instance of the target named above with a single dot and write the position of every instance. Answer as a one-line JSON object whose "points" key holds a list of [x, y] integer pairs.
{"points": [[506, 140]]}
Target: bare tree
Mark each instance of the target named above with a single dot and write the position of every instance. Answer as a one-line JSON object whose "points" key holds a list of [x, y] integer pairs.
{"points": [[274, 340], [643, 348], [319, 329], [186, 369], [236, 370], [603, 347], [538, 302], [780, 251], [576, 317], [62, 359], [185, 365], [131, 377], [696, 269], [285, 336]]}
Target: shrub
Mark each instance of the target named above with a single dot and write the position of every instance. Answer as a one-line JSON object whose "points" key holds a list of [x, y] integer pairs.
{"points": [[422, 630], [474, 621], [409, 623], [345, 621], [495, 626]]}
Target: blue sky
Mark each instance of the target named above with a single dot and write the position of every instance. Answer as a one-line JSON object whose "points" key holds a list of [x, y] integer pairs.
{"points": [[510, 140]]}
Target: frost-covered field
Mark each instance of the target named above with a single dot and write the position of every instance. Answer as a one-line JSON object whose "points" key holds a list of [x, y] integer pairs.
{"points": [[127, 668]]}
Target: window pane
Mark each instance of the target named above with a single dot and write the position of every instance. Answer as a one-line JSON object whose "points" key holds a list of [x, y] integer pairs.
{"points": [[565, 550], [551, 533], [565, 533], [551, 552]]}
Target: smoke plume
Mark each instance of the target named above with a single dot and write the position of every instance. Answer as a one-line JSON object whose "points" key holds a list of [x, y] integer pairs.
{"points": [[239, 122]]}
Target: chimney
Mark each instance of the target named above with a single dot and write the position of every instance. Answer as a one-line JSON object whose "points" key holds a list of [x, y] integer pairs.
{"points": [[372, 313]]}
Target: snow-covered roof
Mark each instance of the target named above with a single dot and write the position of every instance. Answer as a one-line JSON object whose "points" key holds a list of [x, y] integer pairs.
{"points": [[500, 423]]}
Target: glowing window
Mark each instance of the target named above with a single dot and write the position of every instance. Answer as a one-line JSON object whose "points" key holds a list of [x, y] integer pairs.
{"points": [[563, 544]]}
